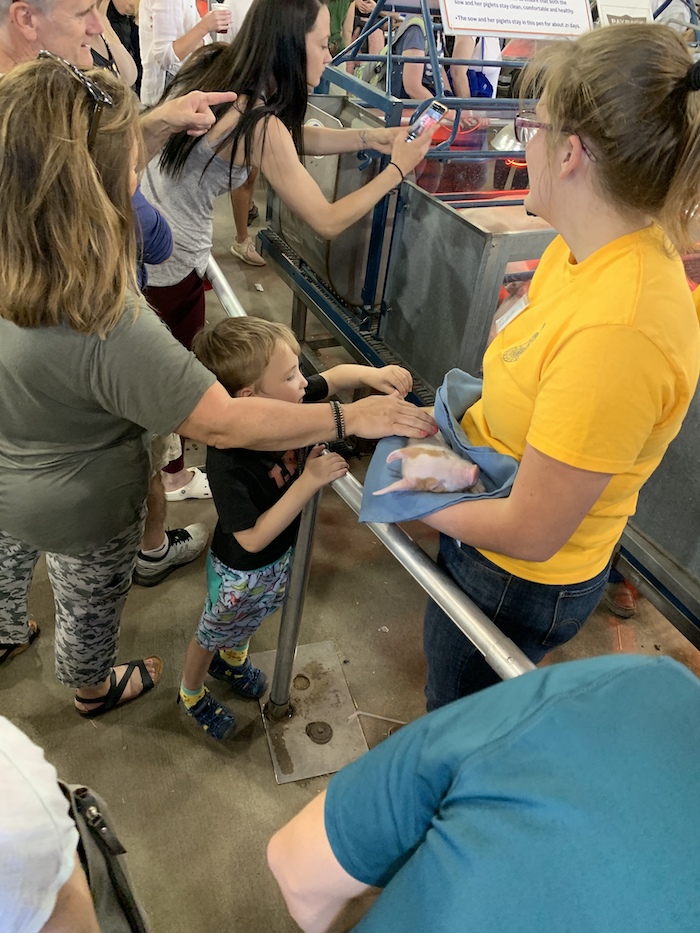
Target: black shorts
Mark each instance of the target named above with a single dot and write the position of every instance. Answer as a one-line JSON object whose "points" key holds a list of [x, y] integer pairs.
{"points": [[359, 22]]}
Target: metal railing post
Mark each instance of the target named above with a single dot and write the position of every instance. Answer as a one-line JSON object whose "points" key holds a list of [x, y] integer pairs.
{"points": [[277, 706]]}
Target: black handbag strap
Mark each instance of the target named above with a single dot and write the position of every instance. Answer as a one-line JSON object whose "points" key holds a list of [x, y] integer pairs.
{"points": [[102, 834], [110, 847]]}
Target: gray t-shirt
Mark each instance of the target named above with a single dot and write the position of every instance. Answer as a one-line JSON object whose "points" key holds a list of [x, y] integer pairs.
{"points": [[187, 203], [77, 415]]}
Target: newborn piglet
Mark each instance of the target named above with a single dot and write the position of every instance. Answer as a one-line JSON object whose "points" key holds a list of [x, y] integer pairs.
{"points": [[429, 465]]}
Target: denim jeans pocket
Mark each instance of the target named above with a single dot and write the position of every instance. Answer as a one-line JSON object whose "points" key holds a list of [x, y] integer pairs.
{"points": [[573, 607], [481, 580], [470, 555]]}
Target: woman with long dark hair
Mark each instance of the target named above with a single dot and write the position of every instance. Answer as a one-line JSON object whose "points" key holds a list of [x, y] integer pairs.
{"points": [[278, 55]]}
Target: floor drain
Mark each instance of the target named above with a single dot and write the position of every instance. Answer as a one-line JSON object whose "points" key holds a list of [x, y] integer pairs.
{"points": [[301, 682]]}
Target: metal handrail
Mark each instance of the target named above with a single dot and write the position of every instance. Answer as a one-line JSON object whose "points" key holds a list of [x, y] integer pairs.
{"points": [[499, 652], [223, 290]]}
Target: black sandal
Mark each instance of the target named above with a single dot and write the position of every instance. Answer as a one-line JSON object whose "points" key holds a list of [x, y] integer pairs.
{"points": [[12, 650], [112, 698]]}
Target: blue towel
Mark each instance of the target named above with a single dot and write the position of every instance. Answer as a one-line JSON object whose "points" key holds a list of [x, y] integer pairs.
{"points": [[458, 392]]}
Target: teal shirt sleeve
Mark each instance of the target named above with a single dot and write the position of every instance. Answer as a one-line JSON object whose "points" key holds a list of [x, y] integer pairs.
{"points": [[380, 807], [564, 800]]}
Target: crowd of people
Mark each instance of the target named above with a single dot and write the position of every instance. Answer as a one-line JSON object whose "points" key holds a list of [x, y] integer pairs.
{"points": [[469, 809], [97, 392]]}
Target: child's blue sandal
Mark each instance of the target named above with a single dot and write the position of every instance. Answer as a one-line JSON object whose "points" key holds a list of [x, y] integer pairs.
{"points": [[214, 718], [246, 680]]}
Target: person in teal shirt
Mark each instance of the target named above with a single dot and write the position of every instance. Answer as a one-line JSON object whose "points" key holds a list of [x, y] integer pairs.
{"points": [[564, 800]]}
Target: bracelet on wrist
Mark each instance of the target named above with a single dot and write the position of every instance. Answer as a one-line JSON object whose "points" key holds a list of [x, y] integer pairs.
{"points": [[363, 139], [339, 420], [403, 177]]}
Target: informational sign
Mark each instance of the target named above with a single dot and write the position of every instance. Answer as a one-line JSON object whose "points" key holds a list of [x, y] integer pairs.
{"points": [[624, 11], [510, 18]]}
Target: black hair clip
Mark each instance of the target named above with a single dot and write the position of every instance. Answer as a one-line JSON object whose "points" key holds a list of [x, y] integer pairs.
{"points": [[692, 78]]}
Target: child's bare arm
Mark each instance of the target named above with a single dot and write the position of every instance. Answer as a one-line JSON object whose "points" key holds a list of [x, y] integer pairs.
{"points": [[387, 379], [318, 472]]}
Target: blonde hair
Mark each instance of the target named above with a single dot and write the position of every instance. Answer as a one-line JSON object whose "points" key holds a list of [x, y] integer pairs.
{"points": [[67, 239], [623, 90], [238, 350]]}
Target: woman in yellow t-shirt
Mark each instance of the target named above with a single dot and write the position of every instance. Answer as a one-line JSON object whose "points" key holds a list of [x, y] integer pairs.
{"points": [[590, 382]]}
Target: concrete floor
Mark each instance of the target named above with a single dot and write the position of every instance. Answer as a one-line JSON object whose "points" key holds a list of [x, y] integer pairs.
{"points": [[196, 815]]}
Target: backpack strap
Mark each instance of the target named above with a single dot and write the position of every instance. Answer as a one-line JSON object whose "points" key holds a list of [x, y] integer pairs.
{"points": [[374, 73], [405, 26]]}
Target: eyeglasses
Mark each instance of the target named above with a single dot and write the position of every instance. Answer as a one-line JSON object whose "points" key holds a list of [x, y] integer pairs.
{"points": [[100, 98], [525, 129]]}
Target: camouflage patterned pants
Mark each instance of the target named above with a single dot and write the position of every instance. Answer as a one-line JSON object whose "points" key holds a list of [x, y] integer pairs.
{"points": [[89, 594]]}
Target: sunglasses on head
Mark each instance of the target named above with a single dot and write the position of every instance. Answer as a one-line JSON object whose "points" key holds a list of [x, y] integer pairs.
{"points": [[100, 98]]}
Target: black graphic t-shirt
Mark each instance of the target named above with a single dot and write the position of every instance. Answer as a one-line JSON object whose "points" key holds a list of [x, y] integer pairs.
{"points": [[246, 483]]}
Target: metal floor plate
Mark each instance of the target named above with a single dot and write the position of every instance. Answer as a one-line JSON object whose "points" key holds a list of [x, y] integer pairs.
{"points": [[319, 695]]}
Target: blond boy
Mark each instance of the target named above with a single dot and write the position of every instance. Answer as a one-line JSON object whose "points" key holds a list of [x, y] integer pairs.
{"points": [[259, 497]]}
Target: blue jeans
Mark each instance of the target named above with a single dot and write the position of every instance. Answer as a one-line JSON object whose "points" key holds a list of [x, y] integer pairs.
{"points": [[536, 616]]}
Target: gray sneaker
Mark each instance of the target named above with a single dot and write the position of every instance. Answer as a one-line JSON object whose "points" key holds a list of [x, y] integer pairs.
{"points": [[184, 546]]}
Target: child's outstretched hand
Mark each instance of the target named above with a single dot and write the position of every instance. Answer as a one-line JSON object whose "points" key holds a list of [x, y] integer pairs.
{"points": [[320, 471], [391, 380]]}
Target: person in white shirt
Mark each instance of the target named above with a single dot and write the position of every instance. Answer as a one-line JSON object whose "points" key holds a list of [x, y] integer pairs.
{"points": [[169, 31], [43, 888]]}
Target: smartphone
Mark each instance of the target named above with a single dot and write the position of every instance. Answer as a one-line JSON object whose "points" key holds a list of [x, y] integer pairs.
{"points": [[427, 119]]}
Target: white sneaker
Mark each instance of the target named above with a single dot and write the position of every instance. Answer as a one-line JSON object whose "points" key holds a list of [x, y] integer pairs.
{"points": [[247, 252], [184, 546]]}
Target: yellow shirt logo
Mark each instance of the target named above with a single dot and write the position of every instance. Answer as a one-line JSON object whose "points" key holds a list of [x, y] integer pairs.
{"points": [[514, 353]]}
